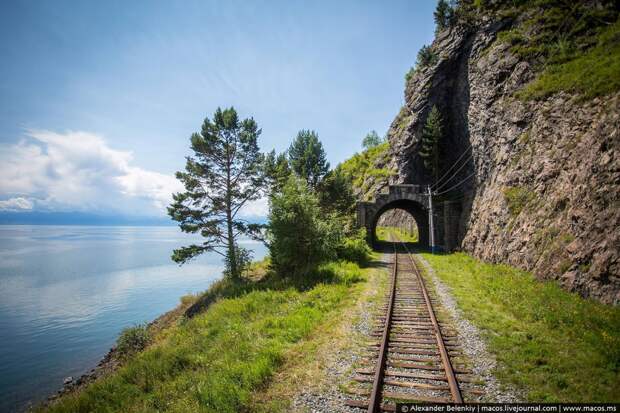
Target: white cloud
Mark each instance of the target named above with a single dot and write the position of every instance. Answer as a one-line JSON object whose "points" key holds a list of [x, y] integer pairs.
{"points": [[79, 171], [255, 209], [16, 204]]}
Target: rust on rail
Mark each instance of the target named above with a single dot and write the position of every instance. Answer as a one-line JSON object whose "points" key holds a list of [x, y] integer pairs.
{"points": [[410, 348]]}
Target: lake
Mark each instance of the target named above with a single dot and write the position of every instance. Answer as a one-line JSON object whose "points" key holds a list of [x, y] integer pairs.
{"points": [[67, 291]]}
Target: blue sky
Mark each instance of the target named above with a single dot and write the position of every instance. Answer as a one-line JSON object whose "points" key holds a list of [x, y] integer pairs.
{"points": [[98, 99]]}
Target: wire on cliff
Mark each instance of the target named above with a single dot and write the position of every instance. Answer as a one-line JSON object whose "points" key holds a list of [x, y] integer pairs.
{"points": [[437, 184], [454, 186]]}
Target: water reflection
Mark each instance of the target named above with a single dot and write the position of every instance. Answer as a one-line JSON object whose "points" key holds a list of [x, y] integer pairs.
{"points": [[66, 292]]}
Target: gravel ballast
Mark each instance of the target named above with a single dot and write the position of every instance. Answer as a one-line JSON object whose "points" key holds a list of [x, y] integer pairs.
{"points": [[483, 363]]}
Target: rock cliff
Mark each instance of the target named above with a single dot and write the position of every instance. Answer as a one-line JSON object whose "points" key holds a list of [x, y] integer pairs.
{"points": [[537, 180]]}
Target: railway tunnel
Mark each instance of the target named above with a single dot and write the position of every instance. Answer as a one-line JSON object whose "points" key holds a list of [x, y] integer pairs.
{"points": [[414, 210], [414, 200]]}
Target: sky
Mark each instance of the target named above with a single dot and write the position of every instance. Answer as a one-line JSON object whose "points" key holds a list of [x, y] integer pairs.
{"points": [[98, 99]]}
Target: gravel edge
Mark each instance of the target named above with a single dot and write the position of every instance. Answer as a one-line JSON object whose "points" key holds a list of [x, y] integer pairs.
{"points": [[329, 398], [473, 345]]}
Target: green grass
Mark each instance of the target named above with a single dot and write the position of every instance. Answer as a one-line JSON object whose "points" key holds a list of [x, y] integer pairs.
{"points": [[215, 360], [591, 74], [362, 169], [551, 343], [384, 232], [573, 46]]}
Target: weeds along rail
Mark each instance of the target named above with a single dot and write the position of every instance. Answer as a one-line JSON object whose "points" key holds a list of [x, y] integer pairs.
{"points": [[410, 357]]}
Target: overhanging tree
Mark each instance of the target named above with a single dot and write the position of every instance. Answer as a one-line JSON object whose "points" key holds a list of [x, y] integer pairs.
{"points": [[307, 157], [223, 175], [431, 138]]}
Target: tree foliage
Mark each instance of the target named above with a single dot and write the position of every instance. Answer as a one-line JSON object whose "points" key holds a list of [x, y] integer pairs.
{"points": [[277, 170], [307, 157], [371, 140], [224, 174], [444, 14], [300, 235], [431, 139], [426, 57], [335, 193]]}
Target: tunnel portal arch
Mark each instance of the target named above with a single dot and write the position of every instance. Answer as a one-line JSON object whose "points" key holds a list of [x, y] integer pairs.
{"points": [[415, 209], [410, 198]]}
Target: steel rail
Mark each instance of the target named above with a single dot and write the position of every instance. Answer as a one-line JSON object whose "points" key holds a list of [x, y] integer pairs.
{"points": [[455, 391], [374, 405]]}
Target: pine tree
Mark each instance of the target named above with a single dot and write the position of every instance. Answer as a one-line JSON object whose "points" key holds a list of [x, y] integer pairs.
{"points": [[371, 140], [426, 57], [431, 138], [444, 14], [277, 170], [224, 174], [307, 157]]}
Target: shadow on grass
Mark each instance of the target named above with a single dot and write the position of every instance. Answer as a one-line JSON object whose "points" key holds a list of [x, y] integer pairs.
{"points": [[341, 272]]}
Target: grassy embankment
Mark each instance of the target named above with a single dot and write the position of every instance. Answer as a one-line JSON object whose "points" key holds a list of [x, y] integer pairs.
{"points": [[553, 344], [575, 47], [219, 359], [383, 234], [363, 168]]}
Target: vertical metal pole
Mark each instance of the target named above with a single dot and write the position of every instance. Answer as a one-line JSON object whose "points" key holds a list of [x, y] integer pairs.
{"points": [[430, 219]]}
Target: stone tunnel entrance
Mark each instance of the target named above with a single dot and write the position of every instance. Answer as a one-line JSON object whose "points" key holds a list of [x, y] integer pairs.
{"points": [[409, 198], [417, 212], [414, 200]]}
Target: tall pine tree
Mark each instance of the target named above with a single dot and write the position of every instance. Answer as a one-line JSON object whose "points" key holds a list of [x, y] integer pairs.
{"points": [[307, 157], [431, 139], [223, 175]]}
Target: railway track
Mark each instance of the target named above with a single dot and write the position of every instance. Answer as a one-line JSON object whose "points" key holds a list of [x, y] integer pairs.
{"points": [[412, 357]]}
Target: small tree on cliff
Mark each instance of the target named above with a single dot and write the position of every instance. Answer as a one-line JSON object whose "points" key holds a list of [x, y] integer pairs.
{"points": [[444, 14], [224, 174], [307, 157], [431, 138], [371, 140], [426, 57]]}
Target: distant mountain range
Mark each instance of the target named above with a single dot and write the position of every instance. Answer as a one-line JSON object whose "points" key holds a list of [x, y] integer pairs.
{"points": [[79, 218]]}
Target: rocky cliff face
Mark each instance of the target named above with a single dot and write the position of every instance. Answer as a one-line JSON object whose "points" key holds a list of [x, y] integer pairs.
{"points": [[538, 181]]}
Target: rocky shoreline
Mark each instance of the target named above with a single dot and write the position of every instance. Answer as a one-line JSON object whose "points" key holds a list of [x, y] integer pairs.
{"points": [[111, 361], [106, 365]]}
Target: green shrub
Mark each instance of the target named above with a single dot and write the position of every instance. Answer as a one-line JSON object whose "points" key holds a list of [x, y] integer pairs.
{"points": [[426, 57], [444, 14], [341, 272], [409, 74], [133, 339], [300, 235], [188, 299], [355, 248]]}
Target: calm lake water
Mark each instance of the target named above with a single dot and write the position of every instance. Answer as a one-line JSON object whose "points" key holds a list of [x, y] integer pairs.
{"points": [[67, 291]]}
